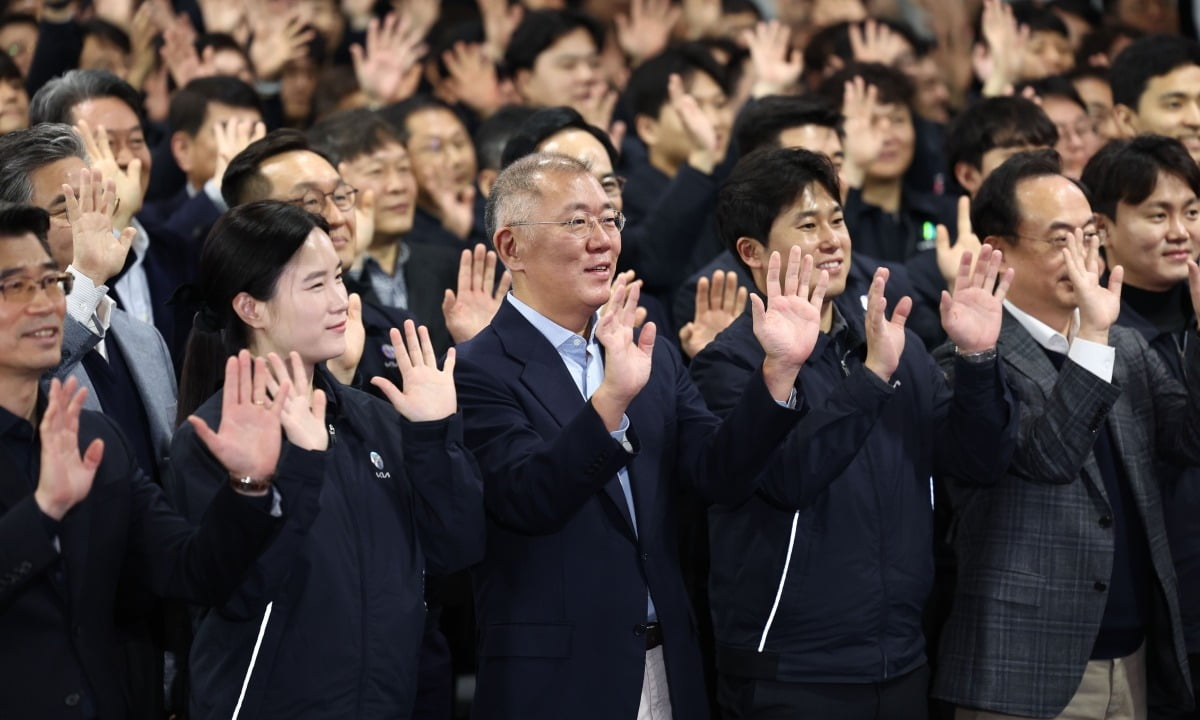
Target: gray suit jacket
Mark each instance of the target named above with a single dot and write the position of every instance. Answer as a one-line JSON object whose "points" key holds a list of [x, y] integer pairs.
{"points": [[1034, 554], [149, 363]]}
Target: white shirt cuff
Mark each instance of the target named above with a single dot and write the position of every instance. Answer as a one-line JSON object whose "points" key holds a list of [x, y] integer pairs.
{"points": [[619, 434], [1095, 358], [89, 303], [214, 194]]}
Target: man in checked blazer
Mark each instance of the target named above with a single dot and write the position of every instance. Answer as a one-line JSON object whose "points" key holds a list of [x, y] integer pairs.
{"points": [[1066, 596]]}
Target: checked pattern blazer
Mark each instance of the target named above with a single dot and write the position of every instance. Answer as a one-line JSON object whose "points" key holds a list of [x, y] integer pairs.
{"points": [[1035, 550]]}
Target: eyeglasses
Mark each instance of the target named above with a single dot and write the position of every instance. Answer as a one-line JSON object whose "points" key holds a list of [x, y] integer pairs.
{"points": [[313, 200], [580, 224], [1059, 240], [21, 290], [612, 185]]}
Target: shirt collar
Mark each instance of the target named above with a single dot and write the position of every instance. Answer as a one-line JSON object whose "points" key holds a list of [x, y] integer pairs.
{"points": [[1043, 334], [141, 241], [19, 428], [552, 331]]}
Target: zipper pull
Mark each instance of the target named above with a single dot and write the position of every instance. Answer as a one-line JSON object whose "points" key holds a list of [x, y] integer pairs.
{"points": [[332, 434]]}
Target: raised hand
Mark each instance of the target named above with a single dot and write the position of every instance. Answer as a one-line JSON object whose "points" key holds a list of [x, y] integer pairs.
{"points": [[277, 41], [423, 13], [97, 253], [718, 304], [949, 257], [455, 203], [472, 78], [972, 315], [428, 392], [788, 324], [499, 21], [345, 365], [885, 338], [863, 139], [248, 441], [700, 131], [646, 30], [627, 362], [471, 309], [1000, 68], [65, 476], [222, 16], [303, 413], [874, 42], [393, 50], [598, 108], [232, 136], [777, 67], [1099, 306], [128, 180]]}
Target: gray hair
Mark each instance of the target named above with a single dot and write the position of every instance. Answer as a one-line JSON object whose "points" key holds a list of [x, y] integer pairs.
{"points": [[24, 151], [56, 100], [519, 187]]}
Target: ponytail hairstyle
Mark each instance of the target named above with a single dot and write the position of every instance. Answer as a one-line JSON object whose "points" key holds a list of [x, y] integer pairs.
{"points": [[246, 251]]}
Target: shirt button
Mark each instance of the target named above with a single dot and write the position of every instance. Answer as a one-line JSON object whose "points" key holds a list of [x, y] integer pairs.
{"points": [[1100, 586], [72, 699], [639, 630], [645, 557]]}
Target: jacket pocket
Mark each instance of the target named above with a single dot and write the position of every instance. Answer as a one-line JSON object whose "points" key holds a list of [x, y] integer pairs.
{"points": [[1014, 586], [527, 640]]}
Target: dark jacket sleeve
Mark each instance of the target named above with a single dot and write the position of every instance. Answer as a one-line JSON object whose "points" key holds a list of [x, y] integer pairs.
{"points": [[824, 443], [201, 482], [976, 418], [26, 549], [539, 483], [448, 493], [1176, 405], [1054, 440]]}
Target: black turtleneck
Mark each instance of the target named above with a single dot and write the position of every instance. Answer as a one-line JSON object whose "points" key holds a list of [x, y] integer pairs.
{"points": [[1170, 311]]}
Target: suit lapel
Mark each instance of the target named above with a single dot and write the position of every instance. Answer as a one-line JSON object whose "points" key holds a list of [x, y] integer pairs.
{"points": [[547, 379], [156, 391]]}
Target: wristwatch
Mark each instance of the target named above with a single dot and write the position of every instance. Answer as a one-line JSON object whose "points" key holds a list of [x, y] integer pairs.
{"points": [[977, 357], [248, 484]]}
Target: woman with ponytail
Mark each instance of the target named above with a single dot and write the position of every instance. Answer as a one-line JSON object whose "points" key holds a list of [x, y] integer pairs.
{"points": [[328, 623]]}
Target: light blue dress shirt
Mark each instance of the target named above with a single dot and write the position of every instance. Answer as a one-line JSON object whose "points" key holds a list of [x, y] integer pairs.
{"points": [[584, 361]]}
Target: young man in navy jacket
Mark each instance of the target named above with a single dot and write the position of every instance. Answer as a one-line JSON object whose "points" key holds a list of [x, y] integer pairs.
{"points": [[819, 579]]}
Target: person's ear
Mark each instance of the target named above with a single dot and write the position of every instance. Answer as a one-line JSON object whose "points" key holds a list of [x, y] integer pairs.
{"points": [[647, 129], [1125, 119], [752, 252], [521, 80], [486, 179], [181, 148], [508, 249], [251, 311], [968, 176]]}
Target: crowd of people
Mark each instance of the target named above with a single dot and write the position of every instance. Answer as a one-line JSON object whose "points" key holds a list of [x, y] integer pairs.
{"points": [[590, 359]]}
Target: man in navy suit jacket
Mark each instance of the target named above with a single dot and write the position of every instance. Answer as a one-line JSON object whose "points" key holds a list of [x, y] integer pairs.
{"points": [[586, 431]]}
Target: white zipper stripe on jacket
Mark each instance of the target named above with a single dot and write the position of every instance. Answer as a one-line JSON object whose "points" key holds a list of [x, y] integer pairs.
{"points": [[787, 561], [262, 630]]}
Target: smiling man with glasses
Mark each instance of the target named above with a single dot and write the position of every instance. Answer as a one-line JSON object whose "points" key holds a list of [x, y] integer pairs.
{"points": [[1066, 596], [587, 431]]}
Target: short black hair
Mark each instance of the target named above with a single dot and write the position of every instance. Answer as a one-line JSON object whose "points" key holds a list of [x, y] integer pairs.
{"points": [[219, 41], [351, 134], [1058, 86], [108, 33], [999, 122], [17, 220], [1145, 59], [762, 185], [994, 211], [1101, 41], [398, 113], [893, 86], [1038, 18], [243, 181], [189, 106], [1083, 71], [56, 100], [542, 28], [731, 7], [494, 133], [646, 92], [762, 121], [546, 122], [1127, 170]]}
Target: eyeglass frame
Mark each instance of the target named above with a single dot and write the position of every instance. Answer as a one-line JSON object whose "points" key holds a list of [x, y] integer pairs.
{"points": [[64, 281], [577, 230], [1098, 234], [327, 197]]}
